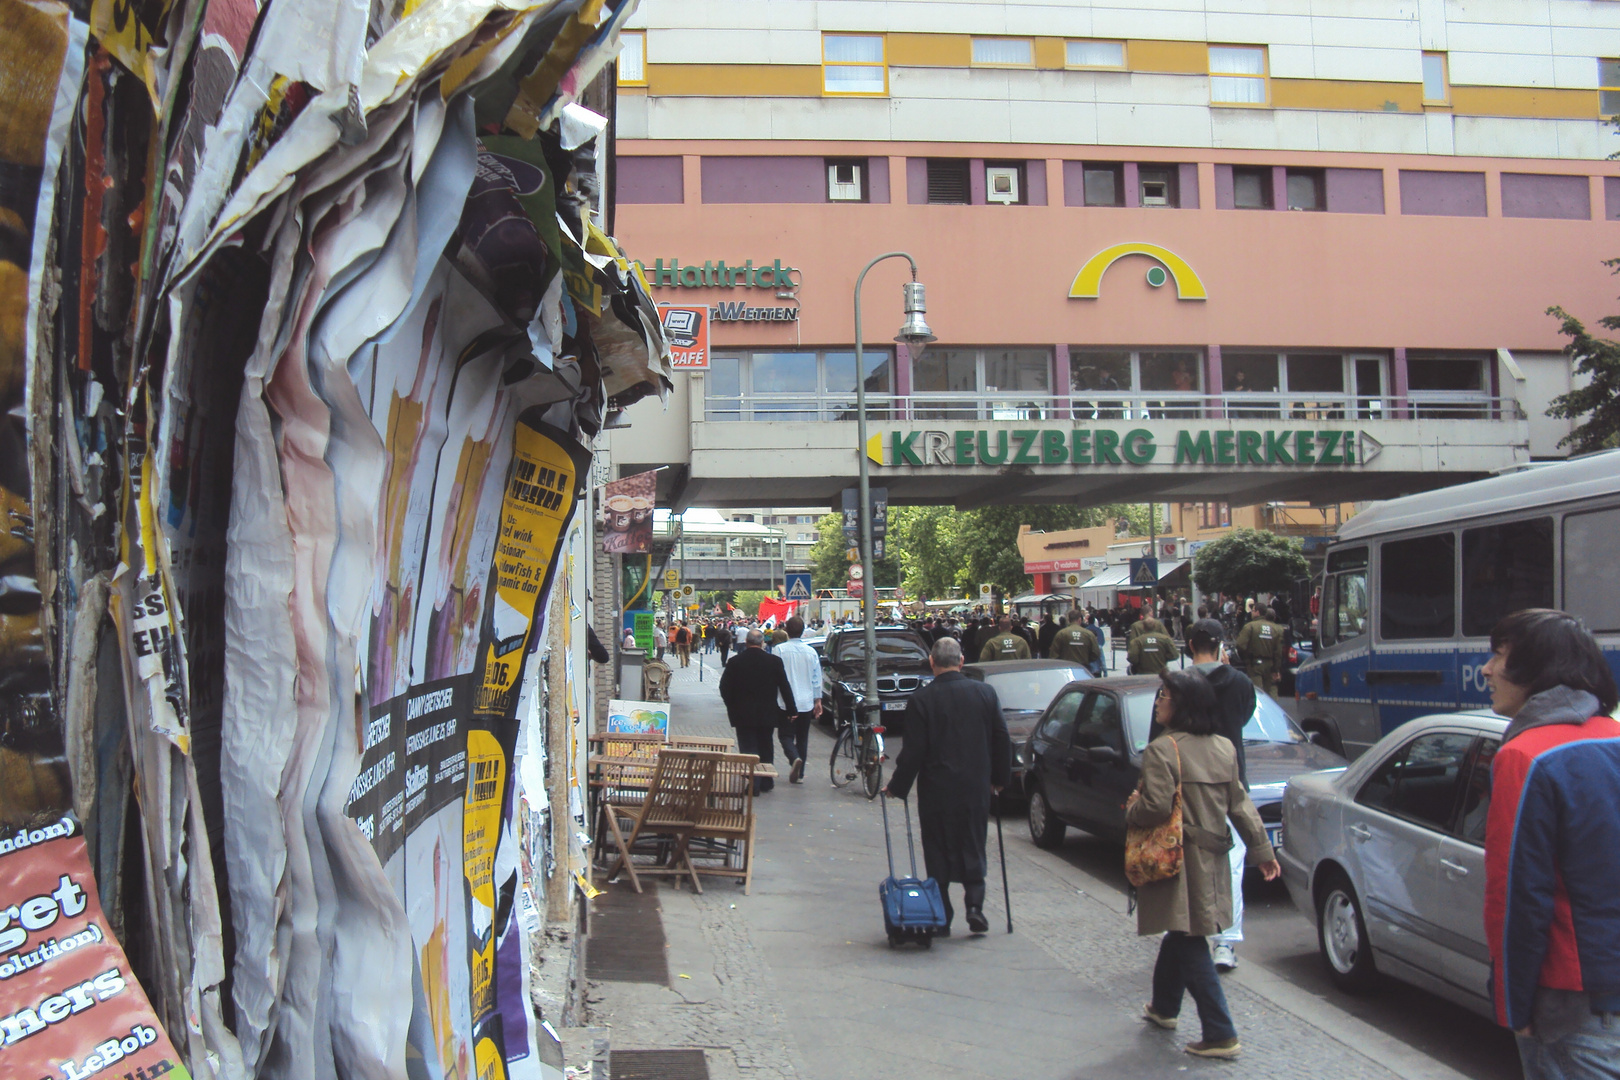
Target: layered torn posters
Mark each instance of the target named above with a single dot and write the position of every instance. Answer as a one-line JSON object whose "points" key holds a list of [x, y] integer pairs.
{"points": [[309, 318]]}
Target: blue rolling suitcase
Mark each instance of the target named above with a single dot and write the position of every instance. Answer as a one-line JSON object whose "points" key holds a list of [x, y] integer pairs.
{"points": [[913, 909]]}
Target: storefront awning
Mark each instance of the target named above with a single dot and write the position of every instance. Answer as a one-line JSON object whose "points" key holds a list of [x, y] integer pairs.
{"points": [[1040, 598], [1112, 577]]}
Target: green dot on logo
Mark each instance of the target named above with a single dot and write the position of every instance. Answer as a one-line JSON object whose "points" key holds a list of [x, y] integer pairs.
{"points": [[1156, 276]]}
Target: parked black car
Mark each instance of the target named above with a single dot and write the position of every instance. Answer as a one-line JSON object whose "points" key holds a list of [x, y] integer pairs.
{"points": [[1085, 758], [902, 666], [1025, 688]]}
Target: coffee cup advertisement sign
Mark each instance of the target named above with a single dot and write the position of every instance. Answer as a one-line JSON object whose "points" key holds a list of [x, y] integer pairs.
{"points": [[626, 514], [71, 1006]]}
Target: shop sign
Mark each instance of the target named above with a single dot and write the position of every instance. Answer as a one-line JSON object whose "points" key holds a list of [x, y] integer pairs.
{"points": [[686, 327], [717, 275], [740, 312], [1110, 446]]}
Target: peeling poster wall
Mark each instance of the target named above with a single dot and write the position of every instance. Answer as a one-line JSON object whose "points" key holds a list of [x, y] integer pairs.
{"points": [[307, 321]]}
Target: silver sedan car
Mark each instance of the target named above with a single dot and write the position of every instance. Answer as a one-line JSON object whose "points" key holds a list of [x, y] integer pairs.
{"points": [[1387, 857]]}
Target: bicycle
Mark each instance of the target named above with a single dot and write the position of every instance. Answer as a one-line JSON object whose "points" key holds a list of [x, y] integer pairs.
{"points": [[858, 751]]}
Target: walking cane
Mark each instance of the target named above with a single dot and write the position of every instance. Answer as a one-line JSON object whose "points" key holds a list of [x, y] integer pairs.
{"points": [[1006, 896]]}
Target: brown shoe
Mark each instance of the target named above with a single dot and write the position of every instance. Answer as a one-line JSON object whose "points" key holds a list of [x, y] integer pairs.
{"points": [[1226, 1048]]}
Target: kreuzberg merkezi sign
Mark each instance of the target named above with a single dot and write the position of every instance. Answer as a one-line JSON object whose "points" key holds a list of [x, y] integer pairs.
{"points": [[1132, 446]]}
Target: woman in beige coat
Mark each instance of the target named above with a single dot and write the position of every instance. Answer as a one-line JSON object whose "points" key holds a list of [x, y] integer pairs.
{"points": [[1189, 907]]}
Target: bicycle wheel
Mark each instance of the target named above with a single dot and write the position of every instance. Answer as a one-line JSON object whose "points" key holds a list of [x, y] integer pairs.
{"points": [[872, 764], [841, 766]]}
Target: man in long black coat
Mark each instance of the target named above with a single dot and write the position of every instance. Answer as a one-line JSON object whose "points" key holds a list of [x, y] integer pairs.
{"points": [[750, 686], [956, 747]]}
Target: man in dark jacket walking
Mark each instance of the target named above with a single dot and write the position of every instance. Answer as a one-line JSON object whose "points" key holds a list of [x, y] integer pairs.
{"points": [[1552, 829], [750, 686], [957, 749]]}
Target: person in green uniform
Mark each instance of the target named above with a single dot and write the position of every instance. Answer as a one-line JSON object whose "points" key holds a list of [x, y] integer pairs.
{"points": [[1151, 651], [1076, 645], [1263, 644], [1006, 645]]}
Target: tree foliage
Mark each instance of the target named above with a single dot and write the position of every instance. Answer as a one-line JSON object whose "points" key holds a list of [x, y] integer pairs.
{"points": [[829, 557], [1599, 400], [923, 539], [748, 600], [1247, 561]]}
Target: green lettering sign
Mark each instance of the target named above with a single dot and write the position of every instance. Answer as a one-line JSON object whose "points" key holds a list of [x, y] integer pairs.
{"points": [[1054, 451], [984, 448], [1224, 454], [1082, 446], [1139, 446], [904, 454], [1105, 442], [1248, 448], [1219, 446], [1193, 449], [964, 448]]}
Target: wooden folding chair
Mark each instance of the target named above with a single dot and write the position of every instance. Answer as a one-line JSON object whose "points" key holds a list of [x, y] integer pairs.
{"points": [[679, 790], [722, 839], [623, 782]]}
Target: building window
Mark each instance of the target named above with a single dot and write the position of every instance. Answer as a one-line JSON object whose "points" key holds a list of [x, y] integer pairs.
{"points": [[794, 386], [846, 180], [1003, 52], [1251, 188], [1158, 185], [1609, 87], [633, 59], [1119, 384], [1237, 75], [1436, 80], [982, 384], [1214, 515], [853, 64], [1004, 183], [1305, 189], [947, 180], [1095, 54], [1104, 184]]}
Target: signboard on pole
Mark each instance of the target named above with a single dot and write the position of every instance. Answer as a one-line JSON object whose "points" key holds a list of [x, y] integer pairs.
{"points": [[798, 586], [850, 504], [672, 580], [1144, 572]]}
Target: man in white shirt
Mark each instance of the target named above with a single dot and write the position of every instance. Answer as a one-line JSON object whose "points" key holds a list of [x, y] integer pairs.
{"points": [[804, 677]]}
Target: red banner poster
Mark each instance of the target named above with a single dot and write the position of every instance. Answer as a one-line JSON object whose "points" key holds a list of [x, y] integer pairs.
{"points": [[70, 1008]]}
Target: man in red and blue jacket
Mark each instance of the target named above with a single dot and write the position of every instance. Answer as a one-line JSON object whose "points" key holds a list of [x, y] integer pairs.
{"points": [[1552, 847]]}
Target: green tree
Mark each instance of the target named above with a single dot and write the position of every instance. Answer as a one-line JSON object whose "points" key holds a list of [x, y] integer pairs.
{"points": [[747, 600], [986, 540], [1248, 561], [1599, 400], [829, 557], [923, 539]]}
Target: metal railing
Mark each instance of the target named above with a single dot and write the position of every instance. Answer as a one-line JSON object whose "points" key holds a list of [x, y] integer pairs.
{"points": [[1111, 406]]}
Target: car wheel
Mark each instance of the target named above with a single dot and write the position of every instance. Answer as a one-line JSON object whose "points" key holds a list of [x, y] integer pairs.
{"points": [[1341, 935], [1045, 828], [1326, 738]]}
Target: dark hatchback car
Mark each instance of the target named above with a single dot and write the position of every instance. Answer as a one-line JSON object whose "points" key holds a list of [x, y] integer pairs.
{"points": [[1025, 688], [1085, 757], [902, 669]]}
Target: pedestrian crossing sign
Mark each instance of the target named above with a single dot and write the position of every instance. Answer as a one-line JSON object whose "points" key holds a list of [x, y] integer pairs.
{"points": [[798, 587], [1145, 571]]}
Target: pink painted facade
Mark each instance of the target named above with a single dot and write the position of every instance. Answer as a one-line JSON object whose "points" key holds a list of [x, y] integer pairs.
{"points": [[1363, 276]]}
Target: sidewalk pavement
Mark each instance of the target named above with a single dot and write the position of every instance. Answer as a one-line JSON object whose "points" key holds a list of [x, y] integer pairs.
{"points": [[798, 981]]}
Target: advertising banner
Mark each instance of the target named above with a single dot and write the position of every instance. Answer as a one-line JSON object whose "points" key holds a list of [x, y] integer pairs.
{"points": [[70, 1007], [638, 717], [626, 514]]}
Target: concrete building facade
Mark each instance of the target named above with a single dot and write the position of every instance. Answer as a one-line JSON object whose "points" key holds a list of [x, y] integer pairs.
{"points": [[1143, 226]]}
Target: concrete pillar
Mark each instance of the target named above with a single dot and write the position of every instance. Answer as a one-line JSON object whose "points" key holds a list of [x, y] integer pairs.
{"points": [[1060, 382], [1214, 381], [1398, 384]]}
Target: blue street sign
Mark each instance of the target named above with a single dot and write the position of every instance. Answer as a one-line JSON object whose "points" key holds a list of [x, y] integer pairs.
{"points": [[1144, 572], [798, 587]]}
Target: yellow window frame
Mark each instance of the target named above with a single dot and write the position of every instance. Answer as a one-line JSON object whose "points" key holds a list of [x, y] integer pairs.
{"points": [[1263, 78], [1609, 87], [624, 39], [1445, 78], [1124, 55], [883, 42], [1000, 37]]}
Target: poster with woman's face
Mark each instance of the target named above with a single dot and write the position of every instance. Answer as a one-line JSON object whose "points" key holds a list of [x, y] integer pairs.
{"points": [[626, 514]]}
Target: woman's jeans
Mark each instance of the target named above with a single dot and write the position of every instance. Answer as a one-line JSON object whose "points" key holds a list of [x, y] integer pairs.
{"points": [[1185, 966]]}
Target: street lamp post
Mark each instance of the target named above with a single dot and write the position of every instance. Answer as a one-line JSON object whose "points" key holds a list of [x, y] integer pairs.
{"points": [[915, 331]]}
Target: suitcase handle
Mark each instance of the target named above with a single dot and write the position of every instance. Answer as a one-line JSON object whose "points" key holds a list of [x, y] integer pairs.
{"points": [[887, 845]]}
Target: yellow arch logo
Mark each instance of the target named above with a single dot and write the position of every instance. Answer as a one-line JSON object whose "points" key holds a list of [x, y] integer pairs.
{"points": [[1188, 284]]}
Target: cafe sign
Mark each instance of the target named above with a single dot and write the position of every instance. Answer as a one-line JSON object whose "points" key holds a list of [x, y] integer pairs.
{"points": [[1087, 446]]}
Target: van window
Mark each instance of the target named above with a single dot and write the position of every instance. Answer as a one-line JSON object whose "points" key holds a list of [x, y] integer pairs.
{"points": [[1506, 568], [1344, 596], [1417, 594], [1591, 572]]}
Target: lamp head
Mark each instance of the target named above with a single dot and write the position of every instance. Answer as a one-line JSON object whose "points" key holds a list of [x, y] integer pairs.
{"points": [[915, 331]]}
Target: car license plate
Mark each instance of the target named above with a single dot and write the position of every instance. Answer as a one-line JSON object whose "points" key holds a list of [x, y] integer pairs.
{"points": [[1274, 835], [894, 706]]}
